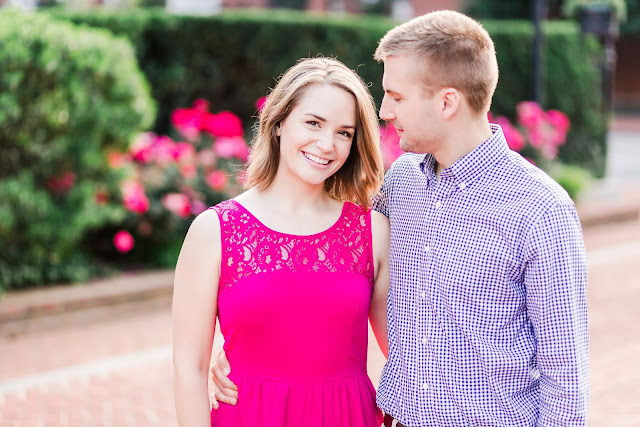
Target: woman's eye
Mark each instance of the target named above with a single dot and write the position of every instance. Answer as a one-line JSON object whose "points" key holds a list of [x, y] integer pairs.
{"points": [[313, 123], [345, 133]]}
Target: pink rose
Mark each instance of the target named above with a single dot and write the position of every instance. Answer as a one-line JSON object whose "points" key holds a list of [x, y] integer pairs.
{"points": [[201, 104], [217, 180], [558, 120], [206, 157], [228, 147], [141, 150], [184, 151], [178, 204], [189, 170], [134, 197], [190, 121], [163, 149], [530, 114], [223, 124], [123, 241]]}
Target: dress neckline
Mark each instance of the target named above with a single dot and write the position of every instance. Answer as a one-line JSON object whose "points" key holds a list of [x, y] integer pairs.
{"points": [[299, 236]]}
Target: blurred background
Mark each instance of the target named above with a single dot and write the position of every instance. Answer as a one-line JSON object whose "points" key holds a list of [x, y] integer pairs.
{"points": [[121, 120]]}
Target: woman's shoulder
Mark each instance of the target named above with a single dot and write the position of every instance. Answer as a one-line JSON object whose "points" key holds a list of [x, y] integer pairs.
{"points": [[224, 206], [356, 211], [379, 222]]}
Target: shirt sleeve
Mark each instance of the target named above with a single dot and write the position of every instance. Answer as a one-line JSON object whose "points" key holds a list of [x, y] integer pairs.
{"points": [[556, 284], [381, 200]]}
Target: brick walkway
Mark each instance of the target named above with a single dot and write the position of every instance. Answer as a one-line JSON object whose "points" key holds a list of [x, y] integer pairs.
{"points": [[118, 372]]}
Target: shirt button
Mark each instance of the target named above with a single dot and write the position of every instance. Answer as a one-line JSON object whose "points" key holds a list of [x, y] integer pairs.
{"points": [[427, 248], [423, 294], [462, 185], [438, 204], [425, 386], [424, 340]]}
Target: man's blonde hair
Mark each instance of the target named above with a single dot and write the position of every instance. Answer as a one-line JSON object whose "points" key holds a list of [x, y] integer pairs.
{"points": [[361, 175], [457, 51]]}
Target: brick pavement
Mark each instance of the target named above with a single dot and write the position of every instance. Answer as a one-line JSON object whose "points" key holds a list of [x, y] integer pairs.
{"points": [[118, 373]]}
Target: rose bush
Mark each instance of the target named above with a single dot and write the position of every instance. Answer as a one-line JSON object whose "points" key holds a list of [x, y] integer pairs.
{"points": [[166, 181]]}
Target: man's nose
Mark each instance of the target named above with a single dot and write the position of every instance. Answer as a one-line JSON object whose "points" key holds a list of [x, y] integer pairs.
{"points": [[386, 113]]}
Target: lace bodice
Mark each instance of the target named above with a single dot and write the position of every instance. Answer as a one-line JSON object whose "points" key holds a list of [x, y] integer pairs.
{"points": [[249, 247]]}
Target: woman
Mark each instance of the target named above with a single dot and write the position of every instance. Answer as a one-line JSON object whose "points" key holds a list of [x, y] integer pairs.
{"points": [[293, 267]]}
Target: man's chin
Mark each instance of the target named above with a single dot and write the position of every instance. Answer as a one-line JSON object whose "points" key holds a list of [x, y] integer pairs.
{"points": [[406, 146]]}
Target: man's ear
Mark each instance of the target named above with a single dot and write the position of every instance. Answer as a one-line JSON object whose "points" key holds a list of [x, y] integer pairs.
{"points": [[450, 99]]}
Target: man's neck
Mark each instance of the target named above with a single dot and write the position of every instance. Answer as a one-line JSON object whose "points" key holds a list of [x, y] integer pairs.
{"points": [[472, 134]]}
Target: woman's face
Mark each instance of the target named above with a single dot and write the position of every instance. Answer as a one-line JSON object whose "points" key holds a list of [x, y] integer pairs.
{"points": [[316, 137]]}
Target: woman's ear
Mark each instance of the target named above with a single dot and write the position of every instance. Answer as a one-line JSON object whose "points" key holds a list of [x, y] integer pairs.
{"points": [[278, 132]]}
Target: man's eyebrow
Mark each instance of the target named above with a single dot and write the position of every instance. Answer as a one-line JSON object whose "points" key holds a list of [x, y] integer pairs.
{"points": [[322, 119]]}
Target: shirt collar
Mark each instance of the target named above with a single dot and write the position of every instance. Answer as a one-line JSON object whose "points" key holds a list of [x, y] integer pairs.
{"points": [[472, 165]]}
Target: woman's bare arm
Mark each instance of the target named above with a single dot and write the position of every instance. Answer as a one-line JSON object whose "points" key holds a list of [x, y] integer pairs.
{"points": [[195, 296]]}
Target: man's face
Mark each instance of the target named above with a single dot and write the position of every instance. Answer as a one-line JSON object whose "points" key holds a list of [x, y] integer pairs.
{"points": [[415, 116]]}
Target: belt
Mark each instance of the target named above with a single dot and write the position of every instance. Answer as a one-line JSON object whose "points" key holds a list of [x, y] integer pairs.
{"points": [[389, 421]]}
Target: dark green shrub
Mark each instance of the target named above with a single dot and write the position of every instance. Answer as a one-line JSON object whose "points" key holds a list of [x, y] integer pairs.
{"points": [[67, 95], [231, 58]]}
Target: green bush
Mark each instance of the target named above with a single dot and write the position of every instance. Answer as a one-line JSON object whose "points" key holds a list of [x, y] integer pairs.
{"points": [[232, 58], [67, 95]]}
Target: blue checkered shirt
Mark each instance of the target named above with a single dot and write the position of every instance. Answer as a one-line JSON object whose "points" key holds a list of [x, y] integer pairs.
{"points": [[487, 305]]}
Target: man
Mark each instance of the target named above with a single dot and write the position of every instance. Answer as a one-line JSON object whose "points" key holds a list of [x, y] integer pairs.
{"points": [[487, 312]]}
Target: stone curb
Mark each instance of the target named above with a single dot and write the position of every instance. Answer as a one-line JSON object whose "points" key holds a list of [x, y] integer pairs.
{"points": [[624, 207], [56, 300]]}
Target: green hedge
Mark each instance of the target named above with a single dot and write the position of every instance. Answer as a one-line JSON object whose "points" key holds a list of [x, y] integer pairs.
{"points": [[67, 95], [231, 58]]}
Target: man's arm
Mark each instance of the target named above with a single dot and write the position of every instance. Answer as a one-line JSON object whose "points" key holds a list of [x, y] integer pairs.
{"points": [[556, 281], [224, 390], [381, 199], [378, 307]]}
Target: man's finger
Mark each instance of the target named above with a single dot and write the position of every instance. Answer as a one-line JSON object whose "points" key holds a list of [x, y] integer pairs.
{"points": [[226, 398], [223, 363], [214, 402], [222, 381]]}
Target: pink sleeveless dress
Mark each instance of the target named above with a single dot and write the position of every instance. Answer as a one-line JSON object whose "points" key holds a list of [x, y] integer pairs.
{"points": [[293, 311]]}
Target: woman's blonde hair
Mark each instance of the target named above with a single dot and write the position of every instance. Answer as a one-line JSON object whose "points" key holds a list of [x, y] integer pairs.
{"points": [[457, 51], [361, 175]]}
